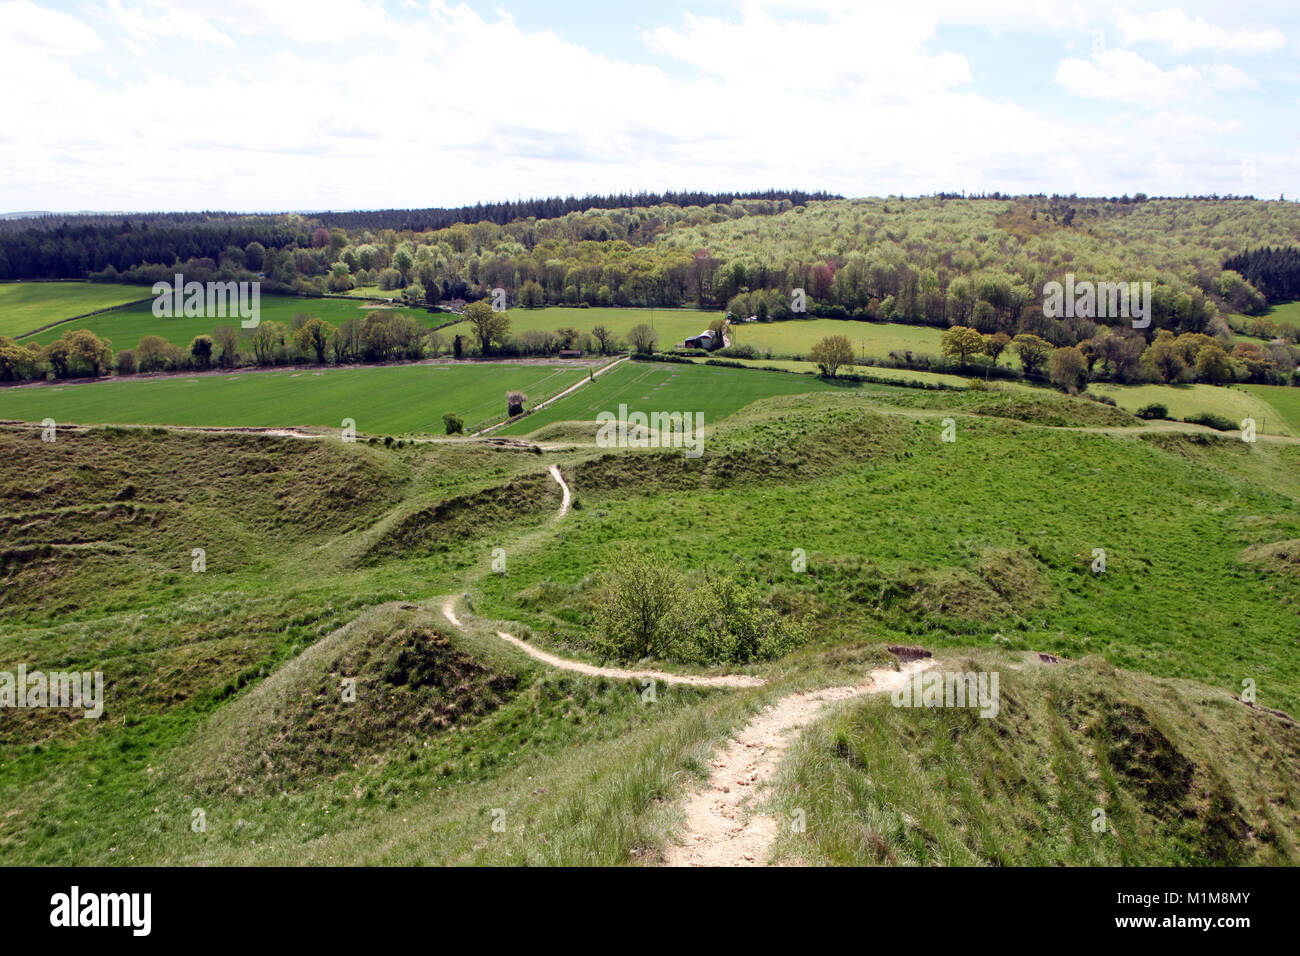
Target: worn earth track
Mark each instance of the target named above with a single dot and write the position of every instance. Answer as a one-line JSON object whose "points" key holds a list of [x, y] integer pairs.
{"points": [[722, 824]]}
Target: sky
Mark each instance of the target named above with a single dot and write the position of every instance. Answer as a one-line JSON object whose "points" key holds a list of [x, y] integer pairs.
{"points": [[360, 104]]}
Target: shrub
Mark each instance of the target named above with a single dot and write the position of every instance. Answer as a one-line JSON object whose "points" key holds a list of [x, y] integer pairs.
{"points": [[454, 424], [645, 607], [1154, 410], [126, 362], [1210, 420], [739, 352]]}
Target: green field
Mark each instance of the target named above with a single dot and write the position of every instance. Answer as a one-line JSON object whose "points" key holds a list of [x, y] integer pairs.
{"points": [[668, 387], [125, 327], [1284, 400], [393, 400], [782, 339], [26, 306], [1186, 401], [898, 374]]}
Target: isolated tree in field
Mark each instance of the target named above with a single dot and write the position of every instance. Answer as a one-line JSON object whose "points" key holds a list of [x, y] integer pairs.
{"points": [[637, 605], [453, 423], [832, 352], [1068, 369], [1032, 351], [313, 337], [489, 326], [995, 345], [226, 342], [604, 336], [642, 338], [515, 403], [961, 342], [1213, 364], [201, 351]]}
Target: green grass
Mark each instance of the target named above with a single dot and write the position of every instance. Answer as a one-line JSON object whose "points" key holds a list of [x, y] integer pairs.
{"points": [[898, 374], [912, 539], [221, 684], [1185, 401], [882, 785], [1285, 314], [1284, 400], [668, 387], [782, 339], [125, 327], [26, 306], [382, 400]]}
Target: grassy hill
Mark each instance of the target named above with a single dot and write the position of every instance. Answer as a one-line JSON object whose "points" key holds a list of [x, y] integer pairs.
{"points": [[27, 306], [326, 563]]}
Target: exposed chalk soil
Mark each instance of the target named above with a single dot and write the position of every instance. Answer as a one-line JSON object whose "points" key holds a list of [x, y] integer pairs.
{"points": [[722, 825]]}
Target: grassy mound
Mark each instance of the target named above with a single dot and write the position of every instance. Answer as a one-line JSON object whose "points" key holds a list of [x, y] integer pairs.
{"points": [[408, 682], [436, 526], [103, 514], [1182, 773], [1056, 411]]}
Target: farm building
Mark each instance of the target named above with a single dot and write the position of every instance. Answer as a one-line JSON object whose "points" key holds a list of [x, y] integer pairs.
{"points": [[708, 340]]}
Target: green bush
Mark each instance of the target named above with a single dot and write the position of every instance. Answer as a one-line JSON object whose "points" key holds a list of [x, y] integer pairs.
{"points": [[1210, 420], [455, 425], [645, 607], [1154, 410]]}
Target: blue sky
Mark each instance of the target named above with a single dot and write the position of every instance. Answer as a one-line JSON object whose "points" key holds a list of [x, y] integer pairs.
{"points": [[310, 104]]}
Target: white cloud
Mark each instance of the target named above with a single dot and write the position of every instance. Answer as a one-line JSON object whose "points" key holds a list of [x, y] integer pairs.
{"points": [[1183, 34], [26, 27], [348, 104], [1125, 76], [161, 23]]}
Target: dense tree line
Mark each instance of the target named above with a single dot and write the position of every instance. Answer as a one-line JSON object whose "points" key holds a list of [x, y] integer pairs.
{"points": [[379, 336], [978, 263], [64, 247], [1275, 272], [501, 213]]}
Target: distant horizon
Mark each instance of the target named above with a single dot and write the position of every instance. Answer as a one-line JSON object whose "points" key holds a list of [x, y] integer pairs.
{"points": [[37, 213]]}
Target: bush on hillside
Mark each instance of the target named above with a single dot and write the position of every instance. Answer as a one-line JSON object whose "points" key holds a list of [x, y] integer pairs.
{"points": [[1154, 410], [645, 607], [1211, 420]]}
